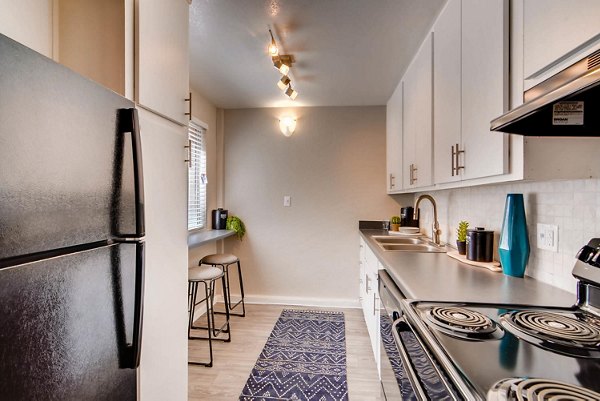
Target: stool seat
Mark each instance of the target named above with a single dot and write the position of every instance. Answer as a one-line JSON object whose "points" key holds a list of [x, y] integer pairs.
{"points": [[219, 259], [204, 273]]}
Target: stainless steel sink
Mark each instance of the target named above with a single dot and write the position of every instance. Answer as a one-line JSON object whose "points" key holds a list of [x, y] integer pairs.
{"points": [[398, 240], [413, 247], [399, 244]]}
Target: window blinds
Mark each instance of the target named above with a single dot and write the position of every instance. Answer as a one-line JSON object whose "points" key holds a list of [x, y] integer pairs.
{"points": [[197, 178]]}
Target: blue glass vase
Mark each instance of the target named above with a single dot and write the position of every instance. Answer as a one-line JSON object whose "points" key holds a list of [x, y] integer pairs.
{"points": [[514, 239]]}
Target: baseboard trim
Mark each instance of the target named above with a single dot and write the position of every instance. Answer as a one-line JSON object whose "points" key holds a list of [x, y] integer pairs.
{"points": [[301, 301], [279, 300]]}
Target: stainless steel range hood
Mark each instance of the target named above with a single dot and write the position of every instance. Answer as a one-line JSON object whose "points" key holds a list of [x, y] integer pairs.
{"points": [[567, 104]]}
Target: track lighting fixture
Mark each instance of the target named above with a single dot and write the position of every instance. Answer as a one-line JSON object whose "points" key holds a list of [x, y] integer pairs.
{"points": [[282, 62], [283, 82]]}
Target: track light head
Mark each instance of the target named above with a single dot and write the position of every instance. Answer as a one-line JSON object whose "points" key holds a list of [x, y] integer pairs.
{"points": [[273, 49], [283, 82], [291, 93]]}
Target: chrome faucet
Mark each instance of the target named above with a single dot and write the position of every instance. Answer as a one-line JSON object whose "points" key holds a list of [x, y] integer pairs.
{"points": [[436, 225]]}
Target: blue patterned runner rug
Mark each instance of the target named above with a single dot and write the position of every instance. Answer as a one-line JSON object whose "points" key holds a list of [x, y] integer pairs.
{"points": [[304, 359]]}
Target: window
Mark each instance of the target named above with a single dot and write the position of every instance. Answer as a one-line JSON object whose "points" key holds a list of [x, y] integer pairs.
{"points": [[197, 177]]}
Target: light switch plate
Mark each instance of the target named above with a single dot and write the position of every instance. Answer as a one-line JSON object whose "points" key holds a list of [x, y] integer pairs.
{"points": [[547, 237], [287, 201]]}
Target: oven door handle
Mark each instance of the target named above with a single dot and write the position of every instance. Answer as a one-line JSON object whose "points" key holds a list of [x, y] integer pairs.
{"points": [[408, 367]]}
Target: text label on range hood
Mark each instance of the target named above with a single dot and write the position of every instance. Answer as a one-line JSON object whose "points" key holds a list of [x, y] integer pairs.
{"points": [[567, 104]]}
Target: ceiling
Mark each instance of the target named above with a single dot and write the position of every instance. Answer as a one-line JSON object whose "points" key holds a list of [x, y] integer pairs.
{"points": [[348, 52]]}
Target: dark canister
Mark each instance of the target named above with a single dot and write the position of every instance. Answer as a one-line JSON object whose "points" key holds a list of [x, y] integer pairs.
{"points": [[219, 219], [407, 217], [480, 245]]}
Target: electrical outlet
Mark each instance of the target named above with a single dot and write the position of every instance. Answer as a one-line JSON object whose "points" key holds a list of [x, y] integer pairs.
{"points": [[287, 201], [547, 237]]}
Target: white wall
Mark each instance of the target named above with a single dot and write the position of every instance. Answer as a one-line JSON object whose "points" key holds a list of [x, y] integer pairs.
{"points": [[28, 22], [333, 167], [572, 205]]}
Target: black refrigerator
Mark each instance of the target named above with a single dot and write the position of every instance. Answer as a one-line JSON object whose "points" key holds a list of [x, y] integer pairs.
{"points": [[71, 234]]}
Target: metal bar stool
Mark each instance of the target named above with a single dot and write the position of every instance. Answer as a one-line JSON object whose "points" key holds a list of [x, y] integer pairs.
{"points": [[208, 277], [225, 260]]}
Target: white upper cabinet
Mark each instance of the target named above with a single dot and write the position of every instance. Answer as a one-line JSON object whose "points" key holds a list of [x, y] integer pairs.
{"points": [[554, 30], [162, 57], [484, 86], [417, 129], [447, 90], [394, 140], [470, 87]]}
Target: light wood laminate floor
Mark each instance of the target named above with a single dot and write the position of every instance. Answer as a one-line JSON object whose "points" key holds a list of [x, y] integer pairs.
{"points": [[233, 361]]}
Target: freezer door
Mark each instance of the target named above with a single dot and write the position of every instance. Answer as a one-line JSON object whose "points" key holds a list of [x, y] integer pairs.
{"points": [[71, 326], [68, 166]]}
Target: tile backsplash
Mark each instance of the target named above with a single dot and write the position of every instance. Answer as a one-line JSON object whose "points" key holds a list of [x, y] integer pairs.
{"points": [[574, 206]]}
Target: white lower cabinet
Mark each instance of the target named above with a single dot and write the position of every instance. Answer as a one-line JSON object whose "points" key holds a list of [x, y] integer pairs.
{"points": [[369, 295]]}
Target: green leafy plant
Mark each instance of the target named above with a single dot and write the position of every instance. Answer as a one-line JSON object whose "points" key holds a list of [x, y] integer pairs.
{"points": [[461, 231], [236, 224], [395, 220]]}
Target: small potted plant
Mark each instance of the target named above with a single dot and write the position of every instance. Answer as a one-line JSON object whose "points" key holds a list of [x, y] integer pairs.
{"points": [[395, 223], [236, 224], [461, 237]]}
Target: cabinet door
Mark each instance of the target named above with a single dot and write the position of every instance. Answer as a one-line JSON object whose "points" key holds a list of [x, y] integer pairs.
{"points": [[394, 141], [484, 86], [418, 106], [162, 57], [555, 29], [362, 280], [165, 319], [447, 88]]}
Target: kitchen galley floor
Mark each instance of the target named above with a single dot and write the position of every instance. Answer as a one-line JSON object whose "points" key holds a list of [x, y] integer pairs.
{"points": [[233, 361]]}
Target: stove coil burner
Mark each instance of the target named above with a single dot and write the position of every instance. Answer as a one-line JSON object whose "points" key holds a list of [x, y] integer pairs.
{"points": [[538, 390], [554, 331], [463, 323]]}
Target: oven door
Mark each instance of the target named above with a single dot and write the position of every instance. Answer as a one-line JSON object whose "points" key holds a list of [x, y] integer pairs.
{"points": [[392, 374], [408, 372]]}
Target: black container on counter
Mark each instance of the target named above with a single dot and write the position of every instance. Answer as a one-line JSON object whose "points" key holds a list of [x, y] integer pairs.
{"points": [[407, 217], [480, 245], [219, 219]]}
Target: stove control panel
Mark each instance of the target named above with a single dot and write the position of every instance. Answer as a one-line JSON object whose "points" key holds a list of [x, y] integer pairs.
{"points": [[590, 253]]}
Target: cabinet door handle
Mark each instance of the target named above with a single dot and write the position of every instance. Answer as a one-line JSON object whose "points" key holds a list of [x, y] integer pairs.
{"points": [[392, 181], [189, 113], [457, 153], [413, 176], [374, 304], [453, 159], [367, 286]]}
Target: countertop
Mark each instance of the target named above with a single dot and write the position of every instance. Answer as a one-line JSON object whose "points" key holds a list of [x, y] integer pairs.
{"points": [[438, 277], [204, 237]]}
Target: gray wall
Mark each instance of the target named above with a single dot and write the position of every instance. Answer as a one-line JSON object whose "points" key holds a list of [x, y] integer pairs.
{"points": [[333, 167]]}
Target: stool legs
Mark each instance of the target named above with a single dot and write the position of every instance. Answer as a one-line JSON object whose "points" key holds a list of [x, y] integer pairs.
{"points": [[212, 331], [228, 306]]}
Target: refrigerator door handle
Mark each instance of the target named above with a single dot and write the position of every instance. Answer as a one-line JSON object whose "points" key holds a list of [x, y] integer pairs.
{"points": [[136, 344], [128, 120]]}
